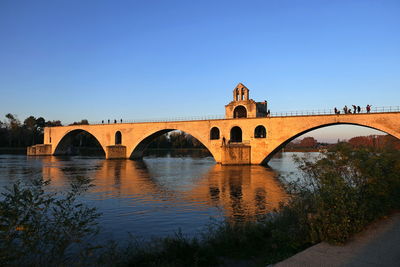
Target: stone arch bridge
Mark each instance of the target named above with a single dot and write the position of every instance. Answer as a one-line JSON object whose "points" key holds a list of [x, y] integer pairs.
{"points": [[235, 140]]}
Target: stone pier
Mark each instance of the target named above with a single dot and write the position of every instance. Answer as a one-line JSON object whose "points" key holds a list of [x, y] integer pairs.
{"points": [[236, 154], [116, 152], [39, 150]]}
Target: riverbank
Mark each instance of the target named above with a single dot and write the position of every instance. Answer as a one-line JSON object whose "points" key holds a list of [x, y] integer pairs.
{"points": [[337, 196], [13, 150], [378, 245]]}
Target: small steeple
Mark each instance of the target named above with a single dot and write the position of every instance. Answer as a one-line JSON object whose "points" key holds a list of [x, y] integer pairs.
{"points": [[240, 93]]}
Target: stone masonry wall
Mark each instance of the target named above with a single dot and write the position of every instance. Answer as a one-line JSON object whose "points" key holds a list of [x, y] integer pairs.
{"points": [[236, 155]]}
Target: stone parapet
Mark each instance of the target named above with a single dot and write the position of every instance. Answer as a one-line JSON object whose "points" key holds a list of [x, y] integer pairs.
{"points": [[116, 152], [39, 150]]}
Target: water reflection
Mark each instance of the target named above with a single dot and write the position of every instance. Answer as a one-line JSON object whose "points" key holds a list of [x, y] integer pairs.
{"points": [[156, 196], [243, 191]]}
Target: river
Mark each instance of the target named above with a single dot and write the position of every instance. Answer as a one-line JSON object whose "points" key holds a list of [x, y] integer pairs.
{"points": [[161, 194]]}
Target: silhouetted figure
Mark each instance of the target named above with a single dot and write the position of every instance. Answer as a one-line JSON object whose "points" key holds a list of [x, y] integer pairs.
{"points": [[358, 109], [345, 110], [102, 121], [108, 120], [121, 120], [115, 121], [223, 141], [349, 111], [268, 113], [336, 111], [354, 109], [369, 108]]}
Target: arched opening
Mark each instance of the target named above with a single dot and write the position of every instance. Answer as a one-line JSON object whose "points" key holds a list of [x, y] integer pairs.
{"points": [[260, 132], [170, 143], [324, 137], [236, 135], [118, 138], [240, 112], [214, 133], [79, 142]]}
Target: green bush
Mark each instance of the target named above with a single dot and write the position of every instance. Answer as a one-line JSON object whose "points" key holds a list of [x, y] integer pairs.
{"points": [[344, 190], [41, 228]]}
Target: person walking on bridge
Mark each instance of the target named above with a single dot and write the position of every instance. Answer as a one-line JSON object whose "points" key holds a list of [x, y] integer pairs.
{"points": [[358, 109], [368, 108], [354, 109]]}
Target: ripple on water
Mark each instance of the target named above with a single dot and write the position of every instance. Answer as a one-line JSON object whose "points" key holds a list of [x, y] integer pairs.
{"points": [[159, 195]]}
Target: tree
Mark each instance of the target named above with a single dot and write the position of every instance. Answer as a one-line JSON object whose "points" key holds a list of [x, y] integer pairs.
{"points": [[30, 123], [53, 123], [14, 127], [308, 142], [3, 134], [13, 122], [82, 122], [30, 130], [40, 123]]}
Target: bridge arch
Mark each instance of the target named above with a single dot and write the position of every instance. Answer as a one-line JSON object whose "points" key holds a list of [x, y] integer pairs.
{"points": [[283, 142], [143, 143], [65, 144]]}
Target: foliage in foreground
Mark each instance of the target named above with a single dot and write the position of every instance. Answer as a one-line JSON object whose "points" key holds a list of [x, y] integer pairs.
{"points": [[337, 196], [344, 190], [37, 227]]}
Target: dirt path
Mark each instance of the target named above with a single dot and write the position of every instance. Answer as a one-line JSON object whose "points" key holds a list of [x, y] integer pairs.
{"points": [[378, 245]]}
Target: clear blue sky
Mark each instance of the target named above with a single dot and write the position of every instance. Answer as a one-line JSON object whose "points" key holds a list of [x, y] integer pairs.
{"points": [[92, 59]]}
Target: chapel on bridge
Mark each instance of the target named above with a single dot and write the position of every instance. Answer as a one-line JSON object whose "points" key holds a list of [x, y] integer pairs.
{"points": [[244, 107]]}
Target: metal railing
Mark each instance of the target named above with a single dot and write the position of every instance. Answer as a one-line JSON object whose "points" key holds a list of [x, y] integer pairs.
{"points": [[273, 114], [171, 119], [332, 112]]}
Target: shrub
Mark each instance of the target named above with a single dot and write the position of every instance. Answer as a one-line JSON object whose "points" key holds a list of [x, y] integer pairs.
{"points": [[344, 190], [37, 227]]}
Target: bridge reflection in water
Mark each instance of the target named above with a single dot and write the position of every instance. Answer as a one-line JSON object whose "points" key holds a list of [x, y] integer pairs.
{"points": [[189, 187], [243, 191]]}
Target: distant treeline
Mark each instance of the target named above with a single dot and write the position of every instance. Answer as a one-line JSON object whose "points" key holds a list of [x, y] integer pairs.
{"points": [[15, 134], [371, 141]]}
